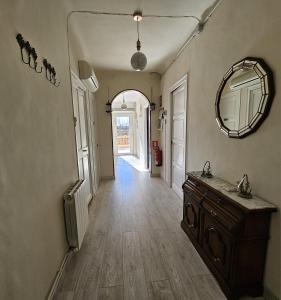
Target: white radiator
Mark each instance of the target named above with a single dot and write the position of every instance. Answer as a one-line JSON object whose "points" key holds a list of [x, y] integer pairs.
{"points": [[76, 214]]}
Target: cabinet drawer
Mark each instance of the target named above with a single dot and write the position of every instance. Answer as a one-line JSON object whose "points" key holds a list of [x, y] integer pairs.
{"points": [[196, 185], [222, 203], [217, 245], [223, 217]]}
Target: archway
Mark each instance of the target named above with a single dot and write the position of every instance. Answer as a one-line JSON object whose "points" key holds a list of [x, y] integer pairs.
{"points": [[131, 130]]}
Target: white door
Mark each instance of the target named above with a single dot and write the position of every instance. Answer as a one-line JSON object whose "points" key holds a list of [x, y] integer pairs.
{"points": [[230, 110], [254, 96], [80, 117], [178, 139]]}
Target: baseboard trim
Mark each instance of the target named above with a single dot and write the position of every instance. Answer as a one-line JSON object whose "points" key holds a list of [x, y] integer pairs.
{"points": [[268, 295], [107, 178], [60, 271], [154, 175]]}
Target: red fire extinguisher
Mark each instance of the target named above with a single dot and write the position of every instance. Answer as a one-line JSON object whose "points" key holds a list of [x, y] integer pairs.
{"points": [[158, 154]]}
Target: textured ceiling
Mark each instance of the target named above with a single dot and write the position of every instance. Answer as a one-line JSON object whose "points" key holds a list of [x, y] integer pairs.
{"points": [[108, 42]]}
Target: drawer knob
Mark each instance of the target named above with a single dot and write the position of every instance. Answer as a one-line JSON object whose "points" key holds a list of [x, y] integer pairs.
{"points": [[213, 213]]}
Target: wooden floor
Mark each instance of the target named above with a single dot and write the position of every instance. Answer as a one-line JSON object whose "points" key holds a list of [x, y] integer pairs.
{"points": [[134, 247]]}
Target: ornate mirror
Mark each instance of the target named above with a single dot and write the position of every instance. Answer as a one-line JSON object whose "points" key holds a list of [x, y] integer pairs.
{"points": [[244, 97]]}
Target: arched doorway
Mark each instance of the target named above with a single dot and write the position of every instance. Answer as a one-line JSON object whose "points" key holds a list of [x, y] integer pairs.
{"points": [[131, 130]]}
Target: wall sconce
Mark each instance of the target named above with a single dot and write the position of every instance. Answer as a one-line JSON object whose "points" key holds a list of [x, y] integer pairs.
{"points": [[108, 107], [152, 106]]}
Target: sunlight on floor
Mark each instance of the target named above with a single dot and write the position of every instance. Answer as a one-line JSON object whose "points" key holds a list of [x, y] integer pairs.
{"points": [[135, 162]]}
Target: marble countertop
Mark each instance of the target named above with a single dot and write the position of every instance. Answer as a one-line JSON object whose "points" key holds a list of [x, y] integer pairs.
{"points": [[224, 187]]}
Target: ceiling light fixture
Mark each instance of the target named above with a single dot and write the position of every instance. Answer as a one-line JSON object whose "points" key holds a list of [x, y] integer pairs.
{"points": [[124, 105], [138, 60], [137, 16]]}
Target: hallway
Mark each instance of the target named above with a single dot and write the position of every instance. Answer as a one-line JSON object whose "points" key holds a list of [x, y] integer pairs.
{"points": [[134, 247], [132, 160], [146, 92]]}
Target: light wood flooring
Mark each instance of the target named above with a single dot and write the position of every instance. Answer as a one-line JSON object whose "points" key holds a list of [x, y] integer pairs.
{"points": [[134, 247]]}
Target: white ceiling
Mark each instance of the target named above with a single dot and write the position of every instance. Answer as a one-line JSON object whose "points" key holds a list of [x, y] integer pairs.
{"points": [[108, 42]]}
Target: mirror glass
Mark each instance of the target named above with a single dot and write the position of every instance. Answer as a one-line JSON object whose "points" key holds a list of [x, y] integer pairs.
{"points": [[240, 99], [244, 97]]}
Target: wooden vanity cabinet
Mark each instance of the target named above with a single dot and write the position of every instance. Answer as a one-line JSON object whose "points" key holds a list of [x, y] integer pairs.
{"points": [[231, 239]]}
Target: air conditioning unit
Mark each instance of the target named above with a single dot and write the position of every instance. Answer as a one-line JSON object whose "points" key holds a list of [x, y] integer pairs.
{"points": [[246, 79], [87, 75]]}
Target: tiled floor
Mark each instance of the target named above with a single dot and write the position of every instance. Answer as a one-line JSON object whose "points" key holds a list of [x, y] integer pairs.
{"points": [[134, 247]]}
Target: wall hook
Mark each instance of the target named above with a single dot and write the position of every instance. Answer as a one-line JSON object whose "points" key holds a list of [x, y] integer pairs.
{"points": [[23, 44], [47, 67], [56, 84], [31, 53], [50, 73], [53, 77], [34, 65], [29, 57]]}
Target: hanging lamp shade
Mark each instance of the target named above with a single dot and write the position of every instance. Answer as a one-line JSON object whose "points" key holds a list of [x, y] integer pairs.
{"points": [[124, 105], [138, 61]]}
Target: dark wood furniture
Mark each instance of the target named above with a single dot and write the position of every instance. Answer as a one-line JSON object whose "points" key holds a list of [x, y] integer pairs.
{"points": [[230, 234]]}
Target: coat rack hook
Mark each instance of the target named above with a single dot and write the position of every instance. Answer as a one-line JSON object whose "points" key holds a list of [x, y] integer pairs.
{"points": [[56, 84], [47, 67], [23, 45], [38, 71], [34, 59], [50, 73]]}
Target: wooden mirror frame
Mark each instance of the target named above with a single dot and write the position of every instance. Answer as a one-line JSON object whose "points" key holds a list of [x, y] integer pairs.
{"points": [[267, 86]]}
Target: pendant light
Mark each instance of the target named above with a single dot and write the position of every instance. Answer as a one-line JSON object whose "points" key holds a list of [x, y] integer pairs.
{"points": [[138, 60], [123, 105]]}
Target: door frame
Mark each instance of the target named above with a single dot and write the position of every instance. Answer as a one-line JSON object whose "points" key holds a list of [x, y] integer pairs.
{"points": [[177, 84], [76, 82], [149, 132]]}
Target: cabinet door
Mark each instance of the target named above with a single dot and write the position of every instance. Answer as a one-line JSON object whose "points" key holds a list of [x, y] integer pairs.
{"points": [[191, 215], [216, 244]]}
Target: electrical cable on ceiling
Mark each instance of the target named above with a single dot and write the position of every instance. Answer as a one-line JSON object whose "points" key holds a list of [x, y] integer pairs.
{"points": [[131, 15], [172, 17], [199, 28]]}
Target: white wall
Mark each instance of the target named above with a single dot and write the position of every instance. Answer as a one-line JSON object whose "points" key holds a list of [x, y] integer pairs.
{"points": [[37, 147], [237, 29], [37, 150], [118, 81]]}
